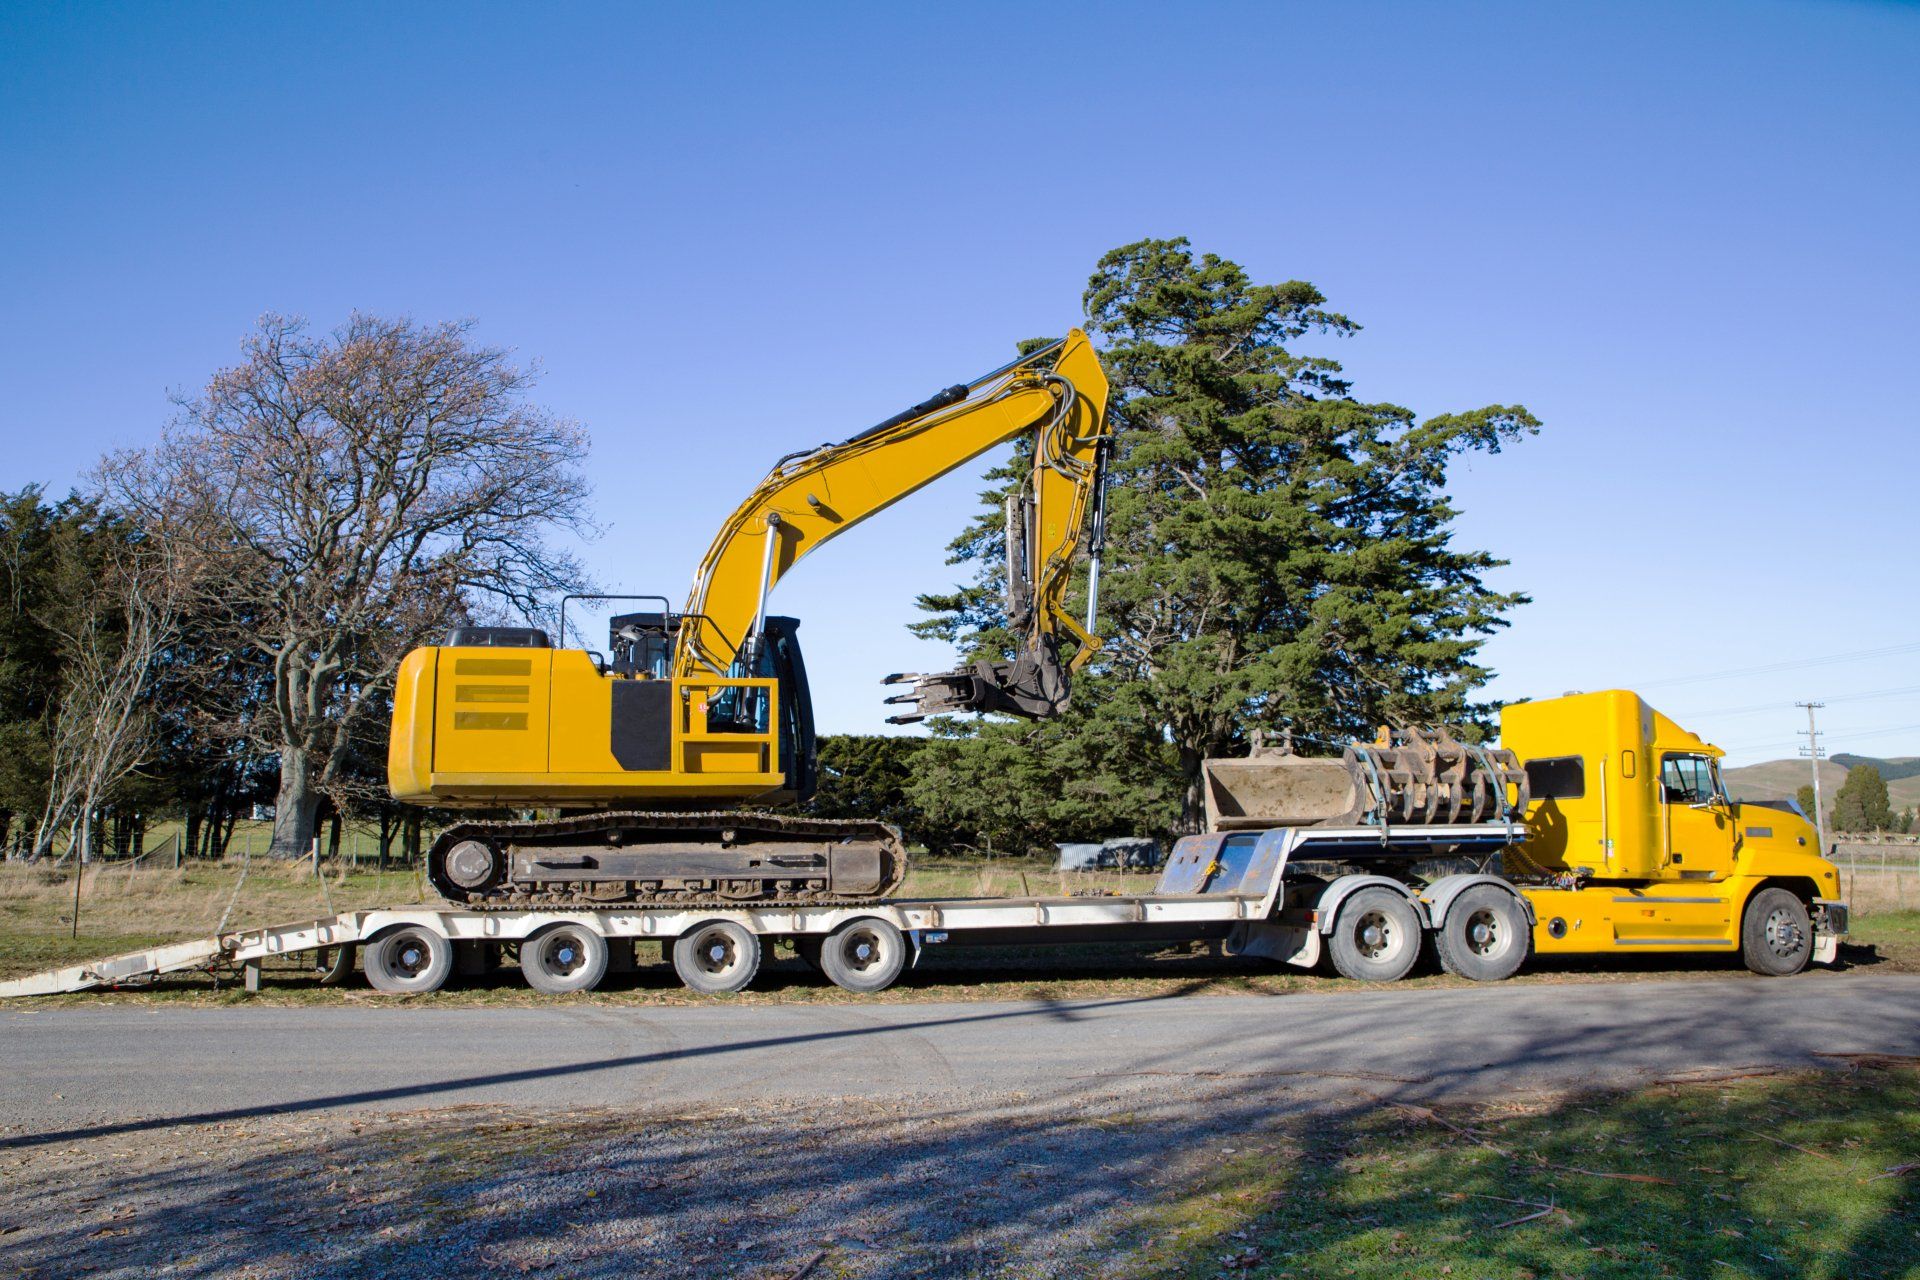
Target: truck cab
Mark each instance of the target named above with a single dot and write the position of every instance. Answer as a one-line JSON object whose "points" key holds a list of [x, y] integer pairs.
{"points": [[1631, 825]]}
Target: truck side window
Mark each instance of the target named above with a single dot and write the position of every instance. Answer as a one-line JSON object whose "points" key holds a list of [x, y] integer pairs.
{"points": [[1557, 777], [1686, 779]]}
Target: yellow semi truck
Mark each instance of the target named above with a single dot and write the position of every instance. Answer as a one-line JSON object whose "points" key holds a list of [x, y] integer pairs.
{"points": [[1623, 841]]}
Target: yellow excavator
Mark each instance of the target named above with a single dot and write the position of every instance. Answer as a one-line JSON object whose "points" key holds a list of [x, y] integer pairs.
{"points": [[708, 706]]}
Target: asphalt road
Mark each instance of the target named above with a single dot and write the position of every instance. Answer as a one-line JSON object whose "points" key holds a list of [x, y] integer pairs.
{"points": [[113, 1069]]}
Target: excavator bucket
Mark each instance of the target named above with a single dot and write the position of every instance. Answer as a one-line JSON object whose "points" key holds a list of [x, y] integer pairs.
{"points": [[1279, 791], [1424, 778]]}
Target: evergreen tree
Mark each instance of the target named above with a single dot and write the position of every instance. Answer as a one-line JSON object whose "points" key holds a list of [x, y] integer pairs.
{"points": [[1805, 799], [1862, 803], [1279, 554]]}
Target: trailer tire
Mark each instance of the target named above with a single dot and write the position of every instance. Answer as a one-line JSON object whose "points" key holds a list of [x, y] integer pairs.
{"points": [[1376, 936], [563, 958], [334, 964], [1484, 935], [865, 955], [716, 956], [1776, 933], [408, 959]]}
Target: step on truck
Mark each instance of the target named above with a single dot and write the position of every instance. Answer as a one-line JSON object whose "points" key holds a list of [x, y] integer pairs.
{"points": [[1598, 827]]}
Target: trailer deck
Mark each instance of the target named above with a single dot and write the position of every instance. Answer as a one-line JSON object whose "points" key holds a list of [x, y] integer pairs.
{"points": [[1228, 886]]}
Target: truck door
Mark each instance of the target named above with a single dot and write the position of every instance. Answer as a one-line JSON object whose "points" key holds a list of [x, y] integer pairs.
{"points": [[1696, 819]]}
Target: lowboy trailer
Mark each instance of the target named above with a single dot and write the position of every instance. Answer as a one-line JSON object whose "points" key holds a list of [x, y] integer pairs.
{"points": [[1355, 896]]}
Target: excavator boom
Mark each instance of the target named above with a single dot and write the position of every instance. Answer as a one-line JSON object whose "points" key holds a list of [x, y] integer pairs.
{"points": [[1058, 393]]}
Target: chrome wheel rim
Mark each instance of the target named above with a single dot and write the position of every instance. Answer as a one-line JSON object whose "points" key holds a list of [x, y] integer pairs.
{"points": [[1784, 934]]}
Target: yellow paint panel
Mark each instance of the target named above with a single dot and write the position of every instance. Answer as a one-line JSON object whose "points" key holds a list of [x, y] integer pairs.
{"points": [[582, 717], [477, 741]]}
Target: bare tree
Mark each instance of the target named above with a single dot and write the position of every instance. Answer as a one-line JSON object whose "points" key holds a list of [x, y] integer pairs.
{"points": [[110, 630], [359, 492]]}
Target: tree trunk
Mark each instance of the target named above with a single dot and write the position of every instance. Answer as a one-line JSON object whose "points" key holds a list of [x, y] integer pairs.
{"points": [[296, 805], [1193, 799]]}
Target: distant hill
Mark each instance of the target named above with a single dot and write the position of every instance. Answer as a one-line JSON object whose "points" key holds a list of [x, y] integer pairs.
{"points": [[1890, 770], [1782, 779]]}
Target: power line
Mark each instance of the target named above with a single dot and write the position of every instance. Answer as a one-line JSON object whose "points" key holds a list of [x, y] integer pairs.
{"points": [[1793, 665], [1826, 733], [1779, 705]]}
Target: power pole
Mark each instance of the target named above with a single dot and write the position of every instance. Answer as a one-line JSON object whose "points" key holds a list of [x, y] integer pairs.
{"points": [[1815, 754]]}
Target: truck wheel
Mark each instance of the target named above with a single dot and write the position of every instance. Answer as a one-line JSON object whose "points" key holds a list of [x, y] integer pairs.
{"points": [[1776, 934], [716, 956], [1485, 935], [864, 955], [563, 958], [1376, 936], [408, 959]]}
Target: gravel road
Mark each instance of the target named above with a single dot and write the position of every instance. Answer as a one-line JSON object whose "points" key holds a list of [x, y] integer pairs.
{"points": [[962, 1140]]}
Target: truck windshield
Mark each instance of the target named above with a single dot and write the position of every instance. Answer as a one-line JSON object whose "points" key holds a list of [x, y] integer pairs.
{"points": [[1688, 779]]}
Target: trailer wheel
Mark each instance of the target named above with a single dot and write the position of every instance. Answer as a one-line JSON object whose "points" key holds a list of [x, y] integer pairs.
{"points": [[1776, 934], [563, 958], [1376, 936], [334, 965], [408, 959], [716, 956], [864, 955], [1484, 936]]}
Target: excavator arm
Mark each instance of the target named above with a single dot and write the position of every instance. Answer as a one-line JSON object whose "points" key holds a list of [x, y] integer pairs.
{"points": [[1057, 393]]}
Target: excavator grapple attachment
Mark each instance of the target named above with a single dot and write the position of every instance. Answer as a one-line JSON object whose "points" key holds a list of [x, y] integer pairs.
{"points": [[1425, 777], [1033, 685]]}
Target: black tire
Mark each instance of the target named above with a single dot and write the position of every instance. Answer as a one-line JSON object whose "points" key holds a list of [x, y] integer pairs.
{"points": [[1776, 933], [716, 957], [1376, 936], [807, 947], [409, 959], [864, 955], [563, 958], [335, 964], [1485, 935]]}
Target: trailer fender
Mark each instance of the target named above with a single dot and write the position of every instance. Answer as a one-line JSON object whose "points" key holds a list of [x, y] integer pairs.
{"points": [[1339, 890], [1439, 896]]}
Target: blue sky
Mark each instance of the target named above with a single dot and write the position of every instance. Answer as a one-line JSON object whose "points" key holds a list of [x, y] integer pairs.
{"points": [[1684, 235]]}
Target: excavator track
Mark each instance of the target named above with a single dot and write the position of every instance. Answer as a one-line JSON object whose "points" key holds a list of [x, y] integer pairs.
{"points": [[724, 859]]}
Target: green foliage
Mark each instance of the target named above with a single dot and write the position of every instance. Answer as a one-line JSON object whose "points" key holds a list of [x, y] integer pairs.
{"points": [[1890, 770], [868, 775], [1012, 787], [1862, 803], [1280, 554], [1804, 797]]}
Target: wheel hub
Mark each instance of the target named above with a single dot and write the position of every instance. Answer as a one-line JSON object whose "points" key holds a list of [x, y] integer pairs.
{"points": [[471, 864], [1783, 933]]}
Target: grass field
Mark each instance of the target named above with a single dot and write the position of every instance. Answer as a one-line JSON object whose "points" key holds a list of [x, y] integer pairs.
{"points": [[1791, 1176], [123, 909]]}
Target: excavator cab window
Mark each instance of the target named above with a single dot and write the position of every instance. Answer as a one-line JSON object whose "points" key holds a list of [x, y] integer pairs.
{"points": [[642, 644]]}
